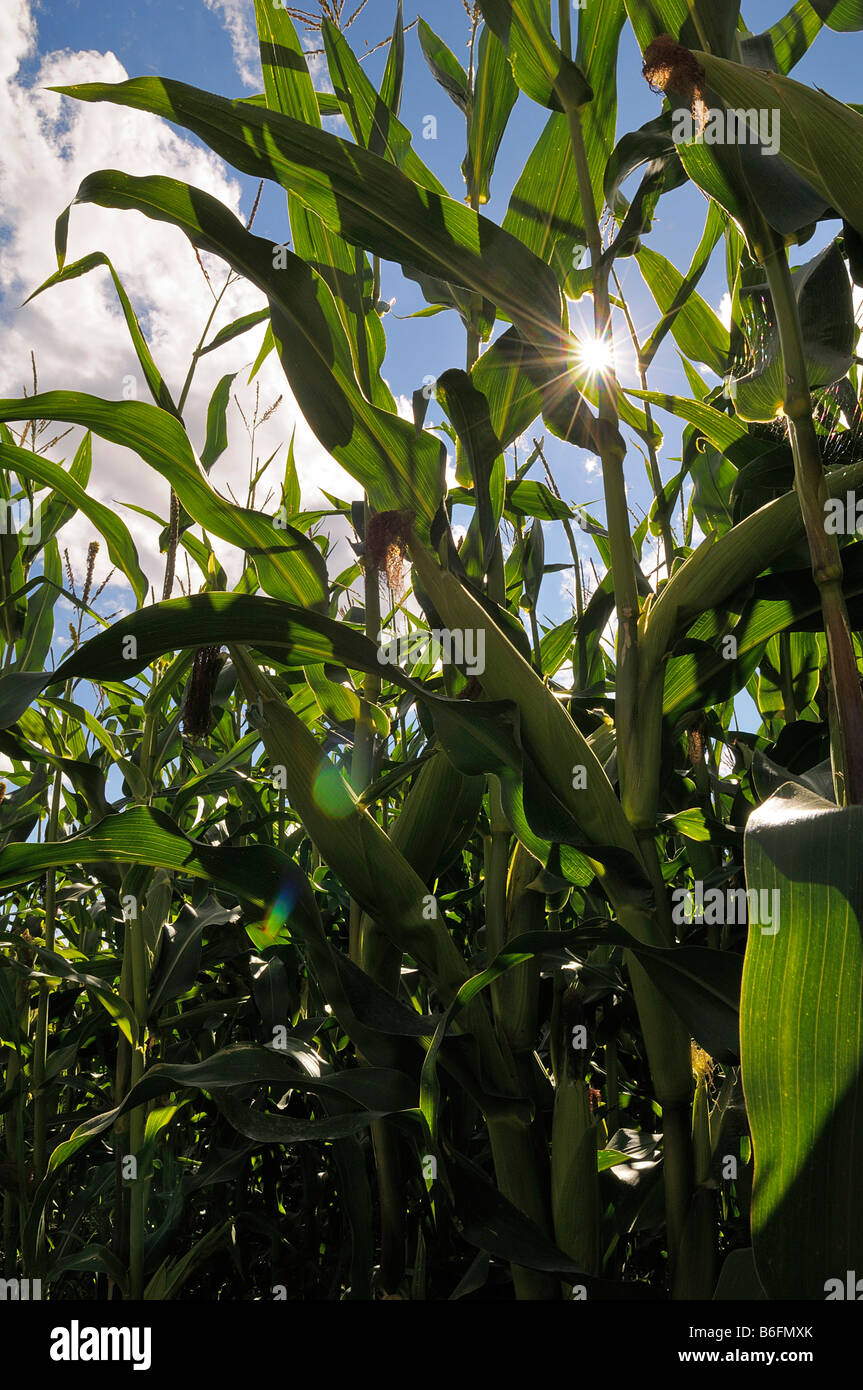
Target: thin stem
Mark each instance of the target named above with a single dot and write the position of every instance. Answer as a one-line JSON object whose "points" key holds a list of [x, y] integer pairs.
{"points": [[472, 65], [362, 762], [612, 452], [120, 1242], [811, 490], [580, 674], [496, 864], [174, 520], [381, 959], [534, 626], [565, 18], [655, 471], [786, 678], [138, 1117], [40, 1047], [473, 337], [665, 1040], [13, 1133], [512, 1143]]}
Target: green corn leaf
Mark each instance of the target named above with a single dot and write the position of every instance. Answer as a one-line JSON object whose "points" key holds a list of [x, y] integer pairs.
{"points": [[287, 562], [545, 208], [294, 635], [556, 646], [444, 66], [469, 411], [57, 510], [703, 985], [288, 85], [289, 91], [538, 66], [146, 836], [844, 16], [634, 150], [399, 469], [364, 198], [788, 39], [530, 498], [31, 654], [697, 330], [792, 36], [723, 431], [160, 393], [825, 306], [55, 966], [394, 72], [723, 565], [40, 470], [738, 1280], [235, 329], [801, 1050], [437, 815], [247, 1064], [96, 1259], [495, 94], [550, 738], [267, 346], [372, 122], [217, 426], [545, 211], [342, 705], [349, 839], [820, 136], [672, 17], [713, 228]]}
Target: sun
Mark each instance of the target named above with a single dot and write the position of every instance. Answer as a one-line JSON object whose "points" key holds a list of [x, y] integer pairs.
{"points": [[595, 355]]}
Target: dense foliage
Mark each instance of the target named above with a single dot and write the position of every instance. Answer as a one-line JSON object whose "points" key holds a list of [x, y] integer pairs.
{"points": [[427, 970]]}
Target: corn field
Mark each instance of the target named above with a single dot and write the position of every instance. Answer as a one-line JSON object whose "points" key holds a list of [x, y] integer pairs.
{"points": [[366, 932]]}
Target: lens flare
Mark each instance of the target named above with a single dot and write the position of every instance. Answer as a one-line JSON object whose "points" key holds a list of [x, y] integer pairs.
{"points": [[284, 904], [595, 355], [330, 793], [269, 932]]}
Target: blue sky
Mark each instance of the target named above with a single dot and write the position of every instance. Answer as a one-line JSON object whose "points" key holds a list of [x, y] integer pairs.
{"points": [[78, 337]]}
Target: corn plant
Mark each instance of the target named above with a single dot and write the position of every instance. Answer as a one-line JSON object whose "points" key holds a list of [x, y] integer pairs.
{"points": [[364, 934]]}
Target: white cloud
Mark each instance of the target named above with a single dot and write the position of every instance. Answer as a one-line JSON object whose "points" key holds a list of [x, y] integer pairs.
{"points": [[238, 19], [724, 310], [77, 331], [18, 32], [591, 465]]}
